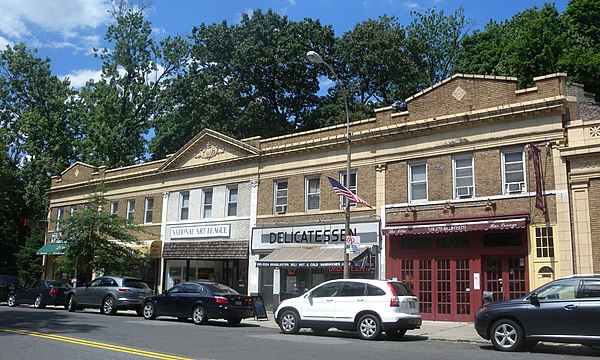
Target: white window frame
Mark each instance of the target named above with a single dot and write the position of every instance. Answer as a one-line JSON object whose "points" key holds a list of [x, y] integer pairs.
{"points": [[353, 188], [130, 210], [207, 207], [231, 202], [114, 208], [412, 183], [73, 210], [514, 187], [184, 205], [279, 193], [148, 210], [60, 213], [455, 188], [307, 181]]}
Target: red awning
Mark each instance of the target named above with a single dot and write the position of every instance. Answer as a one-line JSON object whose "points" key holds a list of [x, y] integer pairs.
{"points": [[457, 226]]}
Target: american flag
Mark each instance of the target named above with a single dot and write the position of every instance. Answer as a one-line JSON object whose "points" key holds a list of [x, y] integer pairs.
{"points": [[341, 190]]}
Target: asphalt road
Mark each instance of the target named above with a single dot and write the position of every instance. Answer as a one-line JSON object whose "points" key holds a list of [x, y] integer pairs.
{"points": [[53, 333]]}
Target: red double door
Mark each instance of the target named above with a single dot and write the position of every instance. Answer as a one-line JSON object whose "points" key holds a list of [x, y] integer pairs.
{"points": [[450, 288]]}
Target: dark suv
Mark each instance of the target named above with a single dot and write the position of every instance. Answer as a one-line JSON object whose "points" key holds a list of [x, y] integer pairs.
{"points": [[565, 310], [109, 294]]}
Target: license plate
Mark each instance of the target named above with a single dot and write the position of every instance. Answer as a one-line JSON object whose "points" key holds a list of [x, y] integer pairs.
{"points": [[238, 303]]}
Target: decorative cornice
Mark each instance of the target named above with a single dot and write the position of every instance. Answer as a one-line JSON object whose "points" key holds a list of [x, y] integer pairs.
{"points": [[209, 151]]}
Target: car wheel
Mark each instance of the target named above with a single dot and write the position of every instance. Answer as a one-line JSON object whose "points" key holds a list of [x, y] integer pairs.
{"points": [[199, 315], [71, 304], [148, 311], [12, 300], [507, 335], [38, 303], [320, 330], [289, 323], [395, 333], [369, 327], [234, 321], [108, 306]]}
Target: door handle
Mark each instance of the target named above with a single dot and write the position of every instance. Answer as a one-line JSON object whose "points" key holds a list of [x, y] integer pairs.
{"points": [[360, 299], [570, 307], [329, 300]]}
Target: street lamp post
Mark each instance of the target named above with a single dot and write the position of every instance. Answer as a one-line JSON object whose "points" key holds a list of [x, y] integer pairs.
{"points": [[317, 59]]}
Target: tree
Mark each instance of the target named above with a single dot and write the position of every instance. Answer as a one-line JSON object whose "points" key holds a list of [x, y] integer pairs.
{"points": [[28, 262], [120, 109], [434, 41], [528, 45], [88, 234], [373, 60], [246, 80]]}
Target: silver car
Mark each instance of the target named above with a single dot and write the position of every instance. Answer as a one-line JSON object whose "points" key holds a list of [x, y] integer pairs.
{"points": [[109, 294]]}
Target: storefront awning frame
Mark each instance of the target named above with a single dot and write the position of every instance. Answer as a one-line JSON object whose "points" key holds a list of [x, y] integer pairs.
{"points": [[307, 257], [52, 249]]}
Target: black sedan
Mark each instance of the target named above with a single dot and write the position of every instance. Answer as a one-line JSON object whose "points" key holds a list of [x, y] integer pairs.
{"points": [[565, 310], [40, 293], [200, 300]]}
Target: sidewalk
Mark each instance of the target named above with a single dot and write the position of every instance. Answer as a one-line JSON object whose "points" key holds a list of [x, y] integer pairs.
{"points": [[433, 330]]}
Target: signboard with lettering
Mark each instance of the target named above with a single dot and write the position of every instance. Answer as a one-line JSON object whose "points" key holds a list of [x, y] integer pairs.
{"points": [[352, 244], [259, 306], [200, 231]]}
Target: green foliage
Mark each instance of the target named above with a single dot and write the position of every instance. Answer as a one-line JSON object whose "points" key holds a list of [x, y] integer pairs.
{"points": [[244, 80], [28, 263], [87, 234]]}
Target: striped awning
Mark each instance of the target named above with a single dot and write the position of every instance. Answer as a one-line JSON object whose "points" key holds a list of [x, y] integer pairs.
{"points": [[306, 257]]}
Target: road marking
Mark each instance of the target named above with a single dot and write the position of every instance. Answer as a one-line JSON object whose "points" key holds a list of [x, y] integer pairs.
{"points": [[95, 344]]}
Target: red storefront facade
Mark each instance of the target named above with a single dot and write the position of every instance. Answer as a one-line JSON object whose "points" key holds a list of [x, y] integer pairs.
{"points": [[450, 264]]}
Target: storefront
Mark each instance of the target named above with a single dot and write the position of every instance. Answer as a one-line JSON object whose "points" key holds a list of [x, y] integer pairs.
{"points": [[188, 256], [449, 265], [294, 258]]}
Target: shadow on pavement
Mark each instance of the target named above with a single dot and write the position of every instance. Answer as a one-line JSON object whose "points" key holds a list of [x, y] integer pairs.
{"points": [[52, 319], [557, 349]]}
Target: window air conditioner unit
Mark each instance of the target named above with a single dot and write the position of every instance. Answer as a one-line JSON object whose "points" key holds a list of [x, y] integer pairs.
{"points": [[464, 191], [280, 209], [515, 187]]}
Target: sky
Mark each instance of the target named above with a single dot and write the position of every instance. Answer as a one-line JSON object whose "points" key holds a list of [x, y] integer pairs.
{"points": [[66, 31]]}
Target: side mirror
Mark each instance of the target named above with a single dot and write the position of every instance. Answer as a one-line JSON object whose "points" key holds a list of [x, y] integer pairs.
{"points": [[533, 299], [487, 297], [165, 291]]}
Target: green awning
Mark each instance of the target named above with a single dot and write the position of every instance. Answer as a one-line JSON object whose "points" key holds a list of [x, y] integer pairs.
{"points": [[52, 249]]}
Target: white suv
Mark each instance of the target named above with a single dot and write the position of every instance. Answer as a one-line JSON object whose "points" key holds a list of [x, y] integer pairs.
{"points": [[367, 306]]}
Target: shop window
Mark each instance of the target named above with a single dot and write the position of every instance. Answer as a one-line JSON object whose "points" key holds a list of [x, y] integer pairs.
{"points": [[513, 171], [313, 193], [417, 174], [463, 177], [502, 240], [416, 243], [232, 200], [455, 242], [130, 210], [207, 200], [544, 242], [353, 187], [184, 205], [280, 196], [148, 209], [114, 208]]}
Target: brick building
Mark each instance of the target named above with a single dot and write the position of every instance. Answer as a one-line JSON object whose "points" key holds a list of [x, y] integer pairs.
{"points": [[452, 181]]}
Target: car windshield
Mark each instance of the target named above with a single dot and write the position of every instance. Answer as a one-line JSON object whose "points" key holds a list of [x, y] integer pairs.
{"points": [[134, 283], [223, 289], [400, 288], [57, 284]]}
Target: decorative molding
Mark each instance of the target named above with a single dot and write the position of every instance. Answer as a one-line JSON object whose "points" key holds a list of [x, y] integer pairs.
{"points": [[459, 93], [381, 167], [209, 151], [254, 183], [595, 131], [76, 172]]}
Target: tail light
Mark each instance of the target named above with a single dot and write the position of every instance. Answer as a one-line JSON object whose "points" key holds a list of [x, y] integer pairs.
{"points": [[221, 300], [394, 300], [53, 292], [250, 301], [123, 290]]}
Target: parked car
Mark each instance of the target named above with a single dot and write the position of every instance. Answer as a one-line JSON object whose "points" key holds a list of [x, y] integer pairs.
{"points": [[40, 293], [201, 300], [8, 283], [109, 294], [366, 306], [565, 310]]}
